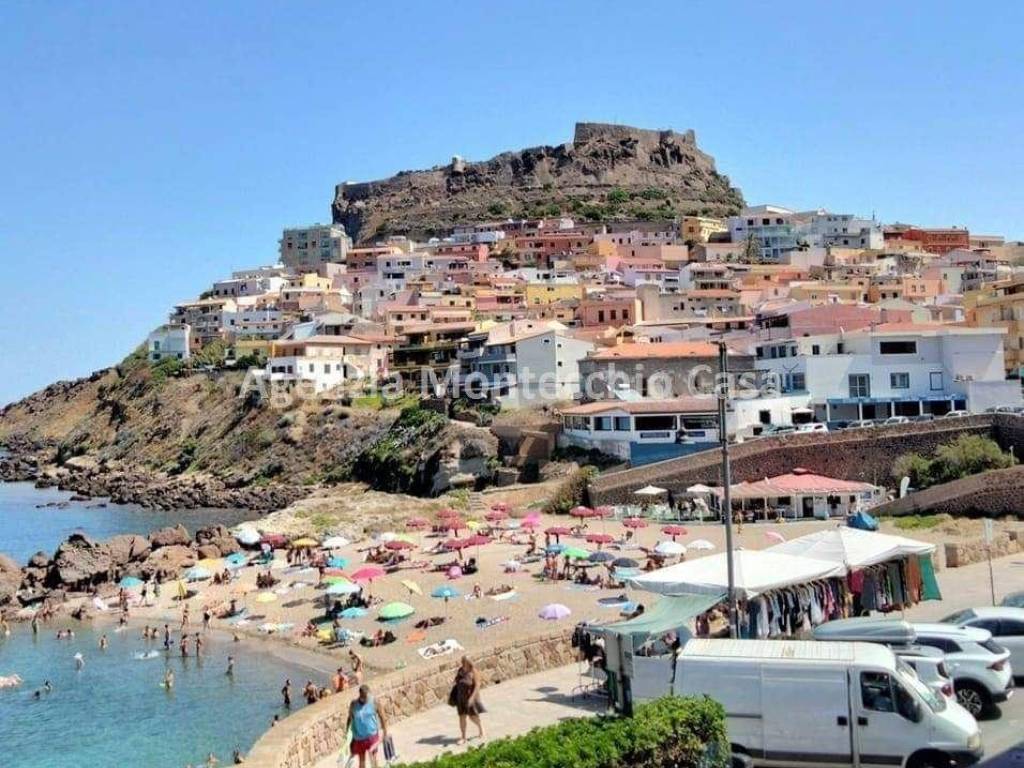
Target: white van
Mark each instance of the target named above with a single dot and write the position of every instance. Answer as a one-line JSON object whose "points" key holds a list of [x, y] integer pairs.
{"points": [[791, 702]]}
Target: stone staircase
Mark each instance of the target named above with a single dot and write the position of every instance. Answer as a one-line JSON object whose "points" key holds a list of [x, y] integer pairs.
{"points": [[477, 505]]}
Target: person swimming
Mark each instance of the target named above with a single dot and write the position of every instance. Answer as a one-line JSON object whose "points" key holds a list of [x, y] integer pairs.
{"points": [[168, 682], [79, 660], [231, 666], [104, 643]]}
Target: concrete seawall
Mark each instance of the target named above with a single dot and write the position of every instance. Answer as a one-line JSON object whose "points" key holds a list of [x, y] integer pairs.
{"points": [[317, 731]]}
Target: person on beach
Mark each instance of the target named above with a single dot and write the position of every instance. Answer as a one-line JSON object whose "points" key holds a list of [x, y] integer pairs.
{"points": [[357, 666], [207, 615], [311, 692], [237, 758], [339, 682], [35, 624], [184, 619], [368, 726], [199, 644], [79, 661], [466, 698], [168, 679], [167, 637], [231, 666], [286, 694], [104, 643], [183, 645]]}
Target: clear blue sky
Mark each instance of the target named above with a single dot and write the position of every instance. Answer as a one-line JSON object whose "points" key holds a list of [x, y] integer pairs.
{"points": [[148, 148]]}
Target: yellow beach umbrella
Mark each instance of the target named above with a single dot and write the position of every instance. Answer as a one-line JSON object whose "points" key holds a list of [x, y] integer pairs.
{"points": [[266, 597], [472, 524], [211, 564], [304, 543], [412, 586]]}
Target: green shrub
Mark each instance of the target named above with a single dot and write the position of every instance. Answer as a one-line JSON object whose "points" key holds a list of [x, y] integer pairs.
{"points": [[917, 522], [966, 455], [571, 493], [668, 733]]}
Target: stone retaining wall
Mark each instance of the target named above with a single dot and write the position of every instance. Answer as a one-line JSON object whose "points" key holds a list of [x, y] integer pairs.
{"points": [[857, 454], [989, 494], [967, 552], [313, 733]]}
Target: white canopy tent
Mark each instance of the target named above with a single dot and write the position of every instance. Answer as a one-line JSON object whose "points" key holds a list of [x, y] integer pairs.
{"points": [[852, 548], [756, 571], [650, 490]]}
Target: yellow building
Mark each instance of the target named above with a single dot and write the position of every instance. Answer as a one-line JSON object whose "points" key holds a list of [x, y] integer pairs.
{"points": [[545, 293], [311, 280], [698, 229], [855, 290], [1001, 305]]}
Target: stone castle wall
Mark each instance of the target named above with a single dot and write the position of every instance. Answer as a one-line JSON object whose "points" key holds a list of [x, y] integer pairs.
{"points": [[966, 552], [317, 731]]}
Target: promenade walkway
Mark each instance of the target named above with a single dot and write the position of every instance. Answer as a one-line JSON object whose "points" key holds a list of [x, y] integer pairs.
{"points": [[513, 707]]}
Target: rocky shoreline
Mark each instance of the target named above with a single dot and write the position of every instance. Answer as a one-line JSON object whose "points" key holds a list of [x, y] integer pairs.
{"points": [[122, 484]]}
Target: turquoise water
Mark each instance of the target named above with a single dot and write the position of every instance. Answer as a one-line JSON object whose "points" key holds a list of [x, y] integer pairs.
{"points": [[114, 711], [25, 528]]}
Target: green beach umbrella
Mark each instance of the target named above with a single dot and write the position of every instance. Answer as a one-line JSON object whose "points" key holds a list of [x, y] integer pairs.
{"points": [[393, 611], [575, 553]]}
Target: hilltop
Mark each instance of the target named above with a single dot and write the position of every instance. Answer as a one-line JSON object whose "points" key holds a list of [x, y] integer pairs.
{"points": [[606, 173]]}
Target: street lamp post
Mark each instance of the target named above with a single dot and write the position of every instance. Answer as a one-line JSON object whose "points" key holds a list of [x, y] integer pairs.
{"points": [[723, 436]]}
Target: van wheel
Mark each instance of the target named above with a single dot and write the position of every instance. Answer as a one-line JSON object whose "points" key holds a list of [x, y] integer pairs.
{"points": [[973, 698], [929, 760]]}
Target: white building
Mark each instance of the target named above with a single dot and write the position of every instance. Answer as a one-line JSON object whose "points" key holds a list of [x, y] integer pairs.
{"points": [[326, 362], [778, 230], [170, 342], [893, 369], [530, 363], [305, 248]]}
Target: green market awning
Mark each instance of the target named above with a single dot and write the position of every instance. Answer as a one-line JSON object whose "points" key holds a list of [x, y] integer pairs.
{"points": [[669, 613]]}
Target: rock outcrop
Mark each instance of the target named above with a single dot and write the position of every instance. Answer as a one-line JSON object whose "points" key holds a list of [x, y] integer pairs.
{"points": [[10, 579], [653, 174], [81, 562]]}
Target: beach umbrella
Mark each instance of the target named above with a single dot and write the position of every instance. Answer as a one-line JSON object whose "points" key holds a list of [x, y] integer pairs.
{"points": [[473, 524], [247, 536], [478, 540], [625, 562], [337, 562], [197, 573], [412, 586], [502, 505], [673, 531], [627, 573], [670, 548], [368, 573], [575, 553], [533, 516], [343, 588], [306, 542], [529, 523], [130, 581], [702, 544], [393, 611], [210, 563], [417, 523], [557, 531], [454, 572], [237, 558], [452, 524], [449, 512], [445, 593], [581, 512], [601, 557], [335, 542], [355, 612], [554, 612], [600, 538], [495, 515], [555, 549], [634, 522], [649, 490], [398, 544], [775, 536], [455, 544], [266, 597], [274, 540], [386, 536], [604, 512]]}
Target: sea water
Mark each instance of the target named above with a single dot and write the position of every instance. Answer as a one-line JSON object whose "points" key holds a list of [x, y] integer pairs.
{"points": [[27, 525], [114, 711]]}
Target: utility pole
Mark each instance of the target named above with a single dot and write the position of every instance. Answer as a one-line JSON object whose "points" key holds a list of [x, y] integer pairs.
{"points": [[723, 436]]}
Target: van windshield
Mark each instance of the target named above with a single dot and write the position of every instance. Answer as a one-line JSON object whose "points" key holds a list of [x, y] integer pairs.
{"points": [[910, 679]]}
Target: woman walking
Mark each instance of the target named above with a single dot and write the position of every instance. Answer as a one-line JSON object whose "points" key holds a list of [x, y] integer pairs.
{"points": [[368, 726], [466, 695]]}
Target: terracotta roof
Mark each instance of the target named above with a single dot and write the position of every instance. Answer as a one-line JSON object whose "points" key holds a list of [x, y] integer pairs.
{"points": [[707, 404], [799, 481], [636, 351]]}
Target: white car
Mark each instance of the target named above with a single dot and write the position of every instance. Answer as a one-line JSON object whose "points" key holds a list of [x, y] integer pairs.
{"points": [[895, 420], [1006, 625], [954, 415], [979, 666], [929, 664], [813, 426]]}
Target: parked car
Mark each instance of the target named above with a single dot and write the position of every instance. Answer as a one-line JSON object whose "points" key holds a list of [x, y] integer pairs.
{"points": [[814, 426], [771, 430], [1013, 600], [795, 703], [929, 664], [954, 415], [895, 420], [980, 667], [1015, 409], [923, 417], [860, 424], [1006, 624]]}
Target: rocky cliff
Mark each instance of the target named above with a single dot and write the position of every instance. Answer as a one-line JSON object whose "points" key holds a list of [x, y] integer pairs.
{"points": [[607, 172]]}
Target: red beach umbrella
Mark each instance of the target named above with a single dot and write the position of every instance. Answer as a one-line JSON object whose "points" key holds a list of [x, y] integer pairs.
{"points": [[454, 544], [634, 522], [399, 544], [495, 515], [368, 573], [415, 523], [531, 524], [673, 531], [478, 540], [452, 524], [600, 538], [581, 512]]}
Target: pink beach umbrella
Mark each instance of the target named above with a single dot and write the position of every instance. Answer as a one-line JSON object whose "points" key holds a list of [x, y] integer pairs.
{"points": [[554, 612], [557, 531], [452, 524], [775, 536], [634, 522], [368, 573], [673, 531], [600, 538], [454, 572], [581, 512], [495, 515], [530, 524], [398, 544], [456, 544]]}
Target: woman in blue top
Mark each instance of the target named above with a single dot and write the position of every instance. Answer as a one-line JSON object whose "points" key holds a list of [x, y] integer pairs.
{"points": [[368, 726]]}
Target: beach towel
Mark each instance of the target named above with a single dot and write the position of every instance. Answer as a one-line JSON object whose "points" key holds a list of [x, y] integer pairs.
{"points": [[443, 648], [416, 636], [483, 623]]}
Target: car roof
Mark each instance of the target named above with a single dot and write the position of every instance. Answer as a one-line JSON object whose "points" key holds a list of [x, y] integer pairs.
{"points": [[919, 652], [952, 631], [999, 612]]}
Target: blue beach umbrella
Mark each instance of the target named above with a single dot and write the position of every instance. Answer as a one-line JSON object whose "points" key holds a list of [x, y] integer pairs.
{"points": [[355, 612], [337, 562], [445, 592], [601, 557], [555, 549], [197, 573], [343, 588], [130, 581]]}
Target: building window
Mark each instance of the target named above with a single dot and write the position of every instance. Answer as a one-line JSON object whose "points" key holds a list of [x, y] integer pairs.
{"points": [[899, 380], [622, 424], [797, 382], [897, 347], [815, 349], [935, 381], [603, 424], [860, 385]]}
